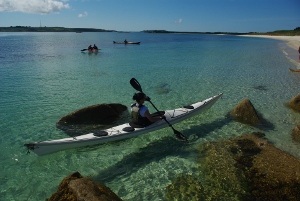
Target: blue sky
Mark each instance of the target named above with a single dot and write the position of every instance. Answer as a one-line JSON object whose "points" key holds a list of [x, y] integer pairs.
{"points": [[139, 15]]}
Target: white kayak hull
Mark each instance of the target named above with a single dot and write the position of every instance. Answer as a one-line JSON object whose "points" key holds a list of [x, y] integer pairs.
{"points": [[117, 133]]}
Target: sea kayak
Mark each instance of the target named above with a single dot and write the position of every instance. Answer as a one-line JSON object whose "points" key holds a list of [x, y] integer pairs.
{"points": [[294, 70], [92, 50], [120, 132], [129, 43]]}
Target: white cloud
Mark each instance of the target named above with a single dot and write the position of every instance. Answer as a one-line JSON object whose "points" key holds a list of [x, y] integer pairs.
{"points": [[33, 6], [84, 14], [179, 21]]}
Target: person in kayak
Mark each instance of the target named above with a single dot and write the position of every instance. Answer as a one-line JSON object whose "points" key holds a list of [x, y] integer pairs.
{"points": [[140, 114], [90, 47], [95, 47], [125, 41]]}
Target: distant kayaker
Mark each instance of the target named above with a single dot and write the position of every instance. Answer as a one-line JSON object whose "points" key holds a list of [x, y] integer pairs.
{"points": [[140, 114], [125, 41], [95, 47], [90, 47]]}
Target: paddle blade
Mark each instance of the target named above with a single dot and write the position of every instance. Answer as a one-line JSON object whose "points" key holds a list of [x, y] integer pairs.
{"points": [[179, 135], [135, 84], [83, 49]]}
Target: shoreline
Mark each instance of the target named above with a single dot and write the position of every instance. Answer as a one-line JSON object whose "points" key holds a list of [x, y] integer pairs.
{"points": [[292, 41]]}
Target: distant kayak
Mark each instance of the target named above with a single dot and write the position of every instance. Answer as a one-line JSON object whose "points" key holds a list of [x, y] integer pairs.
{"points": [[294, 70], [129, 43], [93, 50], [90, 50]]}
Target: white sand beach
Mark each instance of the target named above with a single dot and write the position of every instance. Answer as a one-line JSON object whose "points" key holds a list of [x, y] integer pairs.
{"points": [[292, 41]]}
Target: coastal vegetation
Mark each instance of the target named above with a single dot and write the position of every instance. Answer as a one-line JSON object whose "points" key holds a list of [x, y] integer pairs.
{"points": [[295, 32], [49, 29]]}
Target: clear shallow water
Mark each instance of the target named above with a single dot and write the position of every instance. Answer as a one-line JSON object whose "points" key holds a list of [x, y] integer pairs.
{"points": [[45, 76]]}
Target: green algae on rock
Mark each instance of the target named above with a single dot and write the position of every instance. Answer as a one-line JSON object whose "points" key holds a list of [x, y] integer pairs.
{"points": [[185, 188], [247, 167], [251, 169]]}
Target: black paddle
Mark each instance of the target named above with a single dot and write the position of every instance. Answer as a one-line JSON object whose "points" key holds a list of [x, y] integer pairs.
{"points": [[136, 85], [87, 49]]}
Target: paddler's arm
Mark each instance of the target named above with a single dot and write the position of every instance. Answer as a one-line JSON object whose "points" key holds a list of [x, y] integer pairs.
{"points": [[153, 119]]}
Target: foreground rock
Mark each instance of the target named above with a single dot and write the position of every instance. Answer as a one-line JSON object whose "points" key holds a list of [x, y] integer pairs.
{"points": [[75, 187], [246, 113], [94, 117], [243, 168], [295, 103]]}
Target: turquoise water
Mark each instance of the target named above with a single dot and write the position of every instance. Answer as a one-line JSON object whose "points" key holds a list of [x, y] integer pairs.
{"points": [[45, 76]]}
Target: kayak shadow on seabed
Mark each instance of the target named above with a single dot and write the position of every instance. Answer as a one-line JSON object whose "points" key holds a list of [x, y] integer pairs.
{"points": [[155, 151]]}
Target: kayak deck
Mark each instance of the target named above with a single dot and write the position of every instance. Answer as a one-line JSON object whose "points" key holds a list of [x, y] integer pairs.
{"points": [[121, 131]]}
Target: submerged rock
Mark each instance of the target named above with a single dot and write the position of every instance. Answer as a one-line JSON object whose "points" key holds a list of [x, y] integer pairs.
{"points": [[246, 113], [296, 133], [93, 117], [260, 87], [248, 168], [75, 187], [295, 103], [222, 179], [162, 88], [100, 113]]}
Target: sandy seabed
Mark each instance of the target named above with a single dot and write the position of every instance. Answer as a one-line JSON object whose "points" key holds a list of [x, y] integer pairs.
{"points": [[292, 41]]}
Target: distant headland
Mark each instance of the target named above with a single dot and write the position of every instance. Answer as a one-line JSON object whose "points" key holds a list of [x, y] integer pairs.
{"points": [[49, 29], [295, 32]]}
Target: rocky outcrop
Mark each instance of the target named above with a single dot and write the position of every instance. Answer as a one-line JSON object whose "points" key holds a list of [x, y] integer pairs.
{"points": [[94, 117], [296, 134], [75, 187], [247, 167], [246, 113], [295, 103]]}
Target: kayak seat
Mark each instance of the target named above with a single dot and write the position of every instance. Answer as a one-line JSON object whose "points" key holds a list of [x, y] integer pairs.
{"points": [[189, 107], [128, 129], [100, 133], [133, 125]]}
